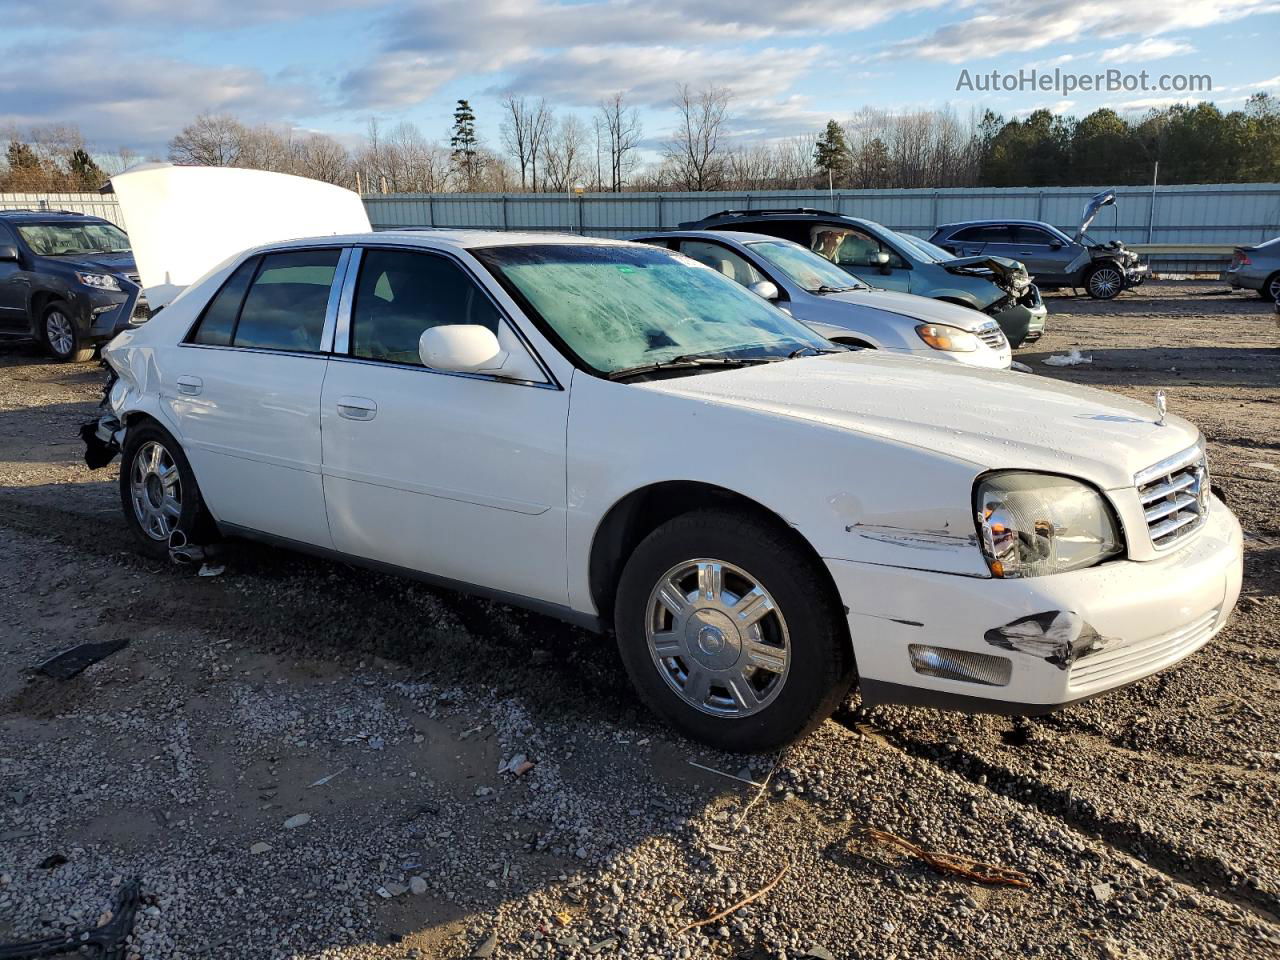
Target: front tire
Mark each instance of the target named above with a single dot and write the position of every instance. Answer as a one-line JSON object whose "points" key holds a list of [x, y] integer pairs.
{"points": [[60, 336], [1104, 282], [1271, 289], [158, 489], [731, 631]]}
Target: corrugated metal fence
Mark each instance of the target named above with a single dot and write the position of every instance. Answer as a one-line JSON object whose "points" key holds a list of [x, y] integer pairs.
{"points": [[1196, 214]]}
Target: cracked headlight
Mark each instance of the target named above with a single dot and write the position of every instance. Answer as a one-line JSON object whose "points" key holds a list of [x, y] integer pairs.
{"points": [[99, 281], [1032, 524]]}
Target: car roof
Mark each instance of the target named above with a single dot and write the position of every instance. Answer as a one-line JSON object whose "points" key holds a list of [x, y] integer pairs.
{"points": [[49, 216], [996, 223], [437, 238], [801, 213], [741, 236]]}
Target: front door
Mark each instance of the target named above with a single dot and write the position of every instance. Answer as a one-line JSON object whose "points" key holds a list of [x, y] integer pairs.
{"points": [[461, 476], [1044, 255], [246, 394], [13, 288]]}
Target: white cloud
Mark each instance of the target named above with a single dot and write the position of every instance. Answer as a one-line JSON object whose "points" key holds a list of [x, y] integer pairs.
{"points": [[1154, 103], [1144, 50], [1058, 108]]}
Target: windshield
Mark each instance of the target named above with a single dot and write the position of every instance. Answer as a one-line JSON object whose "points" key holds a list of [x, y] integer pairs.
{"points": [[804, 267], [927, 251], [63, 239], [617, 307]]}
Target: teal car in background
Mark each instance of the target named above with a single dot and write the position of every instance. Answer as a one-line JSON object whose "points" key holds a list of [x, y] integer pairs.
{"points": [[889, 260]]}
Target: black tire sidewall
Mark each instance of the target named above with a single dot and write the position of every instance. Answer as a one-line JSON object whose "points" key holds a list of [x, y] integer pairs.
{"points": [[78, 348], [192, 505], [1265, 292], [821, 667]]}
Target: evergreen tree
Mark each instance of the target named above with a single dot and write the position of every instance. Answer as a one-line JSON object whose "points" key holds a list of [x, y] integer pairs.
{"points": [[831, 152], [465, 144], [26, 172], [85, 173]]}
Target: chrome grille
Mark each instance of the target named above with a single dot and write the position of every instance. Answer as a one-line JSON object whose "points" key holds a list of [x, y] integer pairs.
{"points": [[991, 334], [1175, 496]]}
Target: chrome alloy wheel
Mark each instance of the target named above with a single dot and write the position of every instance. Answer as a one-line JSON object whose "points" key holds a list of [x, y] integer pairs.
{"points": [[718, 638], [155, 486], [59, 333], [1105, 282]]}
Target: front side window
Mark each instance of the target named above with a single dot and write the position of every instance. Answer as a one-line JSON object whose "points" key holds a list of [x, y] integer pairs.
{"points": [[1035, 236], [851, 248], [721, 259], [615, 308], [401, 293], [68, 239], [286, 303], [804, 267]]}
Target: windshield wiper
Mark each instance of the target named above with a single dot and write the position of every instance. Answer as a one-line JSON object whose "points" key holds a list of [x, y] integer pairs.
{"points": [[687, 362], [817, 352], [826, 288]]}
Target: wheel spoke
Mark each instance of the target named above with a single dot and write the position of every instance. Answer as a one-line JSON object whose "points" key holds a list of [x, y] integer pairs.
{"points": [[171, 507], [673, 598], [751, 608], [710, 581], [766, 657], [667, 644], [697, 686], [153, 459], [743, 693]]}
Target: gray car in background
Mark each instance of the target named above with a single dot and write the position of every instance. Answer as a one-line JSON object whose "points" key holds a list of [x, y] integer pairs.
{"points": [[1256, 268], [885, 259], [839, 306], [1104, 269]]}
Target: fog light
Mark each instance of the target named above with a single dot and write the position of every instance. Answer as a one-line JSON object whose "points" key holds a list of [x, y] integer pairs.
{"points": [[963, 665]]}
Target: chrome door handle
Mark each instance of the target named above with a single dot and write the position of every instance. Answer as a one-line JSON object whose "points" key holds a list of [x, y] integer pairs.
{"points": [[357, 408], [190, 386]]}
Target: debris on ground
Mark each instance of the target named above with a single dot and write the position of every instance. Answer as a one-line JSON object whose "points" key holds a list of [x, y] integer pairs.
{"points": [[485, 948], [297, 820], [952, 864], [70, 663], [737, 906], [1072, 358], [106, 941], [212, 570], [1020, 367]]}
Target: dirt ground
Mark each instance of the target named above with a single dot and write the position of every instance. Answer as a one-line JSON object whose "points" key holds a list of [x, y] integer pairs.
{"points": [[385, 712]]}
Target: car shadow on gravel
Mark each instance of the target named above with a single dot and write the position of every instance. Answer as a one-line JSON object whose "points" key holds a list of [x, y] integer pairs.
{"points": [[1246, 366]]}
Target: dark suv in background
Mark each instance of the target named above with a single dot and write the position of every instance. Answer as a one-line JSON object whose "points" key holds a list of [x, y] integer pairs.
{"points": [[66, 279], [889, 260], [1104, 268]]}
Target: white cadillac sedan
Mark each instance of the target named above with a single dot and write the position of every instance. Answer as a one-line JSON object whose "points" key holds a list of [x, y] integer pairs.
{"points": [[608, 433]]}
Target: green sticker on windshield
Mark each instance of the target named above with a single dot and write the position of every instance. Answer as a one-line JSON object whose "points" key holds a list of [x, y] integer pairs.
{"points": [[623, 268]]}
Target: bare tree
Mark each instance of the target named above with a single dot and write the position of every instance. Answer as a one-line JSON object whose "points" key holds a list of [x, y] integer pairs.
{"points": [[694, 149], [563, 154], [211, 140], [524, 128], [622, 124], [321, 157]]}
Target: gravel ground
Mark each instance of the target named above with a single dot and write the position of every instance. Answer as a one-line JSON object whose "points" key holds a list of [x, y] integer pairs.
{"points": [[295, 770]]}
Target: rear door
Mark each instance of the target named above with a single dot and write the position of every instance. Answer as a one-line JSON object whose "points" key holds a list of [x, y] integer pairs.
{"points": [[245, 390], [461, 476], [1044, 255]]}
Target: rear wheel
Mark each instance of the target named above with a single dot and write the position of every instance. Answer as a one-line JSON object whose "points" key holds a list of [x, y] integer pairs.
{"points": [[60, 336], [730, 631], [1104, 282], [157, 489]]}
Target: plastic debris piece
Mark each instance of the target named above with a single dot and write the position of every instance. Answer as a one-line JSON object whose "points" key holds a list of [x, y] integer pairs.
{"points": [[71, 662]]}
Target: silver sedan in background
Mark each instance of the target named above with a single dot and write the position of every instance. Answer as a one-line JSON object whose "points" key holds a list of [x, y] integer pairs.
{"points": [[1256, 268]]}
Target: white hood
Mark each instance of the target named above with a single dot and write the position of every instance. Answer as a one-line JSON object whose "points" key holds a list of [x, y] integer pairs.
{"points": [[925, 309], [989, 418], [183, 221]]}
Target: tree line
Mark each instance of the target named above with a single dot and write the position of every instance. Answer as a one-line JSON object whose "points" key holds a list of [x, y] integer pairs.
{"points": [[542, 150]]}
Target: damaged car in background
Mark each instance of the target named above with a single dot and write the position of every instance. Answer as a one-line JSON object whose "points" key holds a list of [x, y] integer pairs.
{"points": [[889, 260], [1102, 268], [617, 436]]}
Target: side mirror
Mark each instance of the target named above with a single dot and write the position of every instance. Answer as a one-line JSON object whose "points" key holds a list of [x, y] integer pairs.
{"points": [[461, 348], [8, 252], [882, 260], [765, 290]]}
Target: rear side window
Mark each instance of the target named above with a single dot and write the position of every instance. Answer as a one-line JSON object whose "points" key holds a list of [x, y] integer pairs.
{"points": [[722, 260], [402, 293], [990, 233], [287, 301], [219, 317]]}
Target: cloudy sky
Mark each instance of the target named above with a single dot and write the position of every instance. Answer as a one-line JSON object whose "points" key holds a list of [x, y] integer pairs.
{"points": [[132, 72]]}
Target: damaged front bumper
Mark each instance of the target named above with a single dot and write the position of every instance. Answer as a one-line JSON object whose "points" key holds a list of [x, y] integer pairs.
{"points": [[1030, 646], [1022, 320]]}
